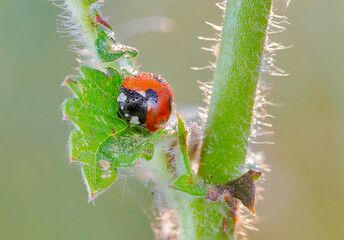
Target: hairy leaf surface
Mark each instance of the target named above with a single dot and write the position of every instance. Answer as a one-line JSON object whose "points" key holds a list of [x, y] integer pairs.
{"points": [[190, 184]]}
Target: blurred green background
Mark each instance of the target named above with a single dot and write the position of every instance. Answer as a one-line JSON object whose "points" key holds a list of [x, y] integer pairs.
{"points": [[42, 196]]}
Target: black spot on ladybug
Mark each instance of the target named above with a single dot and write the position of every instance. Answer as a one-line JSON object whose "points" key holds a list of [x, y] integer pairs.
{"points": [[170, 104], [158, 79], [152, 96], [134, 105]]}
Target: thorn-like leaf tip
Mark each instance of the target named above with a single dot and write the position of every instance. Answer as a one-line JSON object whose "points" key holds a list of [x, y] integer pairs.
{"points": [[67, 80], [255, 174], [252, 210], [102, 22]]}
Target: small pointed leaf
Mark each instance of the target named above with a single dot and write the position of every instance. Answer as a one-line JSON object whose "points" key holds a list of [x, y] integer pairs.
{"points": [[190, 184], [108, 49], [182, 133], [243, 188]]}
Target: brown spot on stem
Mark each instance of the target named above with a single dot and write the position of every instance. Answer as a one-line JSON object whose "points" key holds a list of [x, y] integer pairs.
{"points": [[225, 226], [212, 195], [171, 155]]}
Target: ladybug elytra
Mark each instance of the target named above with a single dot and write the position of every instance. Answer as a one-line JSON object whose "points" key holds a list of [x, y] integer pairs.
{"points": [[146, 100]]}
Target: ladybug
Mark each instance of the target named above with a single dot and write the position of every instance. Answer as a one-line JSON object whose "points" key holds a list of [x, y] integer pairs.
{"points": [[146, 100]]}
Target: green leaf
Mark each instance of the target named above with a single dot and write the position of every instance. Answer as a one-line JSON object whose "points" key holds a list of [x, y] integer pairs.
{"points": [[182, 133], [80, 143], [126, 148], [108, 49], [190, 184], [103, 141], [98, 175], [91, 120], [108, 83], [94, 95]]}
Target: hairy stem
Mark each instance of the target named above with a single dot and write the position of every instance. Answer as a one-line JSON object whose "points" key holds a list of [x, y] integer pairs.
{"points": [[80, 13], [235, 81], [230, 112]]}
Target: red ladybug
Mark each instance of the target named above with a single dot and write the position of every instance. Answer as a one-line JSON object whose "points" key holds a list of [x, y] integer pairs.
{"points": [[146, 100]]}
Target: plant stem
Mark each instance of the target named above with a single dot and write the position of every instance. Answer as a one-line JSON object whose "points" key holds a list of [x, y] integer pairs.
{"points": [[235, 81], [80, 14], [230, 112]]}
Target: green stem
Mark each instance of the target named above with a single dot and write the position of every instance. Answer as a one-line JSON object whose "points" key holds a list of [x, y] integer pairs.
{"points": [[236, 76], [80, 13], [230, 113]]}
